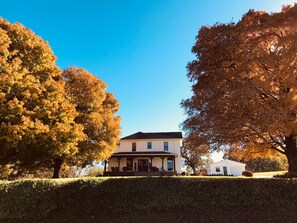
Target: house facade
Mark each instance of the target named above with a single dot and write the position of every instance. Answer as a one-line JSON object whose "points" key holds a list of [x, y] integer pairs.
{"points": [[154, 154], [226, 167]]}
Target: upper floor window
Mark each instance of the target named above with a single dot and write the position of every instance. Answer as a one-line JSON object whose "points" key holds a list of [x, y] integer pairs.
{"points": [[165, 146], [133, 146], [149, 145]]}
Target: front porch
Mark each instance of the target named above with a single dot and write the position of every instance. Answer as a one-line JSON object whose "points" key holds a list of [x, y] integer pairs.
{"points": [[159, 173], [141, 164]]}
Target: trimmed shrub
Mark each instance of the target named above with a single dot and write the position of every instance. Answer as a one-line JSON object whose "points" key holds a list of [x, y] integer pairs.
{"points": [[286, 175], [247, 173], [145, 199]]}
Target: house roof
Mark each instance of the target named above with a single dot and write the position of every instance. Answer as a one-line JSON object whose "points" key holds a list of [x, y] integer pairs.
{"points": [[146, 154], [154, 135], [229, 162]]}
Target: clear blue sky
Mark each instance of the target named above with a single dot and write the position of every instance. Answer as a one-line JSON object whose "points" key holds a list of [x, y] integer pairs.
{"points": [[140, 48]]}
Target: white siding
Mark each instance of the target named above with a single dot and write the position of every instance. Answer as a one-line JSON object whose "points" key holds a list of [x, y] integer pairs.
{"points": [[233, 168], [237, 170], [174, 146], [157, 145]]}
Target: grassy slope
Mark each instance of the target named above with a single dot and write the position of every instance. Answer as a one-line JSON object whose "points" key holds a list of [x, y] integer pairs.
{"points": [[175, 199]]}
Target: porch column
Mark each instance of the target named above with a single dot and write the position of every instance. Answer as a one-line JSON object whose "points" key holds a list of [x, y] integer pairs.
{"points": [[174, 164], [151, 158], [105, 162], [162, 157]]}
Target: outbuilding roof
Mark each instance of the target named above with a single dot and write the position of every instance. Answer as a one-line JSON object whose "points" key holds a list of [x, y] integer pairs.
{"points": [[154, 135], [229, 162]]}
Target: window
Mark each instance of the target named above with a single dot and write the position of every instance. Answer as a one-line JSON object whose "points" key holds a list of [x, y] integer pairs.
{"points": [[133, 146], [165, 146], [169, 164], [149, 145], [218, 169]]}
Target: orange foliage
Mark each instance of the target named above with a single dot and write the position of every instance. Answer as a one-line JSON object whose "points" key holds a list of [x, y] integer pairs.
{"points": [[244, 85], [96, 110], [37, 120]]}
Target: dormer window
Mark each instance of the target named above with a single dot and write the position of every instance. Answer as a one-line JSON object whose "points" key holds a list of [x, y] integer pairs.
{"points": [[165, 146], [133, 146], [149, 145]]}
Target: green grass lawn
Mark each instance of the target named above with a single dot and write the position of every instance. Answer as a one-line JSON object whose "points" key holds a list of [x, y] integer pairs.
{"points": [[149, 199]]}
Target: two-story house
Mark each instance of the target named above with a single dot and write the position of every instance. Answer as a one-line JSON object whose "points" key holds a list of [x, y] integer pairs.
{"points": [[154, 154]]}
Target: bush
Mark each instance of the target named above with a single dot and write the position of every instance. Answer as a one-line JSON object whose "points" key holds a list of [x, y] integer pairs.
{"points": [[259, 164], [145, 199], [286, 175], [247, 173]]}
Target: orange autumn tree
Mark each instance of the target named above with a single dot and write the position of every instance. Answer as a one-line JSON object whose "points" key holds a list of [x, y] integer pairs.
{"points": [[245, 85], [196, 157], [37, 126], [96, 112]]}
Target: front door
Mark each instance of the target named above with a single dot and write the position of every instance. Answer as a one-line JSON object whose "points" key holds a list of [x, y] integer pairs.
{"points": [[143, 165], [129, 164], [225, 170]]}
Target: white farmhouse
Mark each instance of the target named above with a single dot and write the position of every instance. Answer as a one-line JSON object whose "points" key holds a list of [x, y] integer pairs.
{"points": [[152, 154], [226, 167]]}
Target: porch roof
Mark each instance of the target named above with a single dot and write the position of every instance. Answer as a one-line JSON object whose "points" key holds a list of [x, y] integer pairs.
{"points": [[144, 154]]}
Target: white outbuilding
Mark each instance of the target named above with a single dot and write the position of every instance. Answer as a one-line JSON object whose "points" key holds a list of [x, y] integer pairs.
{"points": [[226, 167]]}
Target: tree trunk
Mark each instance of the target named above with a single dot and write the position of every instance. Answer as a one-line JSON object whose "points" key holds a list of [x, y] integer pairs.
{"points": [[194, 169], [57, 167], [291, 153]]}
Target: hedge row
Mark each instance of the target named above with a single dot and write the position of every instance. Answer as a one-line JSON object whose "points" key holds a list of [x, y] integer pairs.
{"points": [[164, 199]]}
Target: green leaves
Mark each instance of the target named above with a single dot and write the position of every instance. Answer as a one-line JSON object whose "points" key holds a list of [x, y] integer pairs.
{"points": [[183, 198]]}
